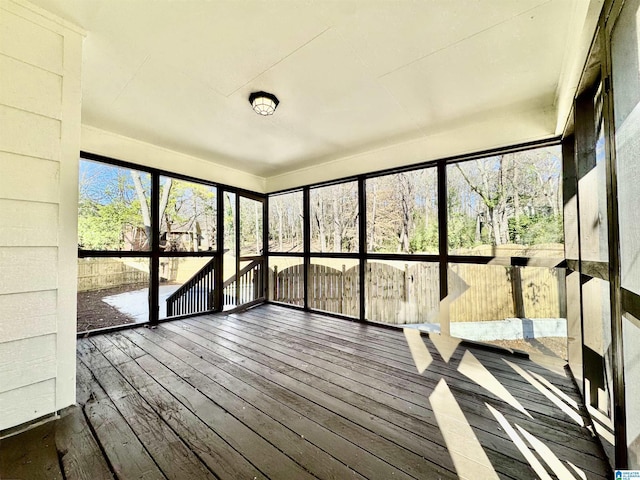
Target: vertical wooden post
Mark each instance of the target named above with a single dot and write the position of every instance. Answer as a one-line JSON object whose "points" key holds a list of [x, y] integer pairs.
{"points": [[306, 208], [443, 247], [516, 288], [405, 293], [341, 292], [154, 308], [275, 283], [362, 246]]}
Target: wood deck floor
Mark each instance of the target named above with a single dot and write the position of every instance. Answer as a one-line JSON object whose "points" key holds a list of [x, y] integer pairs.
{"points": [[281, 394]]}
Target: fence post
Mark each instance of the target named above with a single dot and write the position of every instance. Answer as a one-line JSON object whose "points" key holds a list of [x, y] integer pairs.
{"points": [[405, 295], [275, 283], [342, 293], [516, 287]]}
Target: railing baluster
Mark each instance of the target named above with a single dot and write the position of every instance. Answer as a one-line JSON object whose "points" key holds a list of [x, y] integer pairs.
{"points": [[196, 294]]}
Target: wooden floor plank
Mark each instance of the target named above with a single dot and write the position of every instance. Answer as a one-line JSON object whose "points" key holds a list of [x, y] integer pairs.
{"points": [[79, 452], [168, 451], [521, 390], [386, 405], [390, 345], [366, 412], [187, 364], [242, 438], [408, 402], [218, 455], [347, 426], [125, 453], [514, 382], [296, 447], [276, 393], [31, 455], [386, 338], [453, 378]]}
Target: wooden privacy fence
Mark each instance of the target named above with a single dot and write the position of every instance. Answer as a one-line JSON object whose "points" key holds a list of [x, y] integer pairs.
{"points": [[492, 292], [101, 273], [287, 286], [399, 296], [411, 294]]}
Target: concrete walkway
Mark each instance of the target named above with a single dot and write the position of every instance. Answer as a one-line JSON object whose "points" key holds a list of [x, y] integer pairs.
{"points": [[136, 303], [508, 329]]}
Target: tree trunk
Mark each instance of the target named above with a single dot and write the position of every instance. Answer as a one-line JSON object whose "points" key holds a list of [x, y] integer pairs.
{"points": [[144, 205], [279, 208], [337, 228], [372, 238], [495, 224], [320, 223]]}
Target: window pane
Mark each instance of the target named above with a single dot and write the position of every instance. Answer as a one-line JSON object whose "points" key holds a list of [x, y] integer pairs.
{"points": [[188, 220], [230, 223], [286, 223], [286, 280], [514, 307], [402, 212], [334, 218], [592, 187], [113, 208], [625, 48], [186, 285], [403, 293], [625, 52], [250, 227], [229, 258], [112, 291], [510, 199], [334, 286]]}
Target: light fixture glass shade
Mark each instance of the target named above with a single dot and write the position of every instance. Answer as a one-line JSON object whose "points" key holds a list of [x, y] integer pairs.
{"points": [[263, 103]]}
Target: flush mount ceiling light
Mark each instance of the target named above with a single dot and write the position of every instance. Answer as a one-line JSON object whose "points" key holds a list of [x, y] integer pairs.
{"points": [[263, 103]]}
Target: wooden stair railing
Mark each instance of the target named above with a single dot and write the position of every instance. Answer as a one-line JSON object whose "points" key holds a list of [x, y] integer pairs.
{"points": [[196, 294], [249, 282]]}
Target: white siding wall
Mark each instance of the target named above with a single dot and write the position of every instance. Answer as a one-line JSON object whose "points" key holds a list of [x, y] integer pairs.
{"points": [[40, 63]]}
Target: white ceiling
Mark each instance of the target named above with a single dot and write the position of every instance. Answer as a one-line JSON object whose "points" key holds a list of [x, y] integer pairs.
{"points": [[351, 75]]}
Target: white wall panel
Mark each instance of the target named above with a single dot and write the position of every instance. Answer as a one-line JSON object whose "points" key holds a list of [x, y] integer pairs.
{"points": [[26, 403], [67, 267], [28, 224], [28, 178], [27, 41], [21, 81], [40, 99], [28, 269], [24, 315], [29, 134], [27, 361]]}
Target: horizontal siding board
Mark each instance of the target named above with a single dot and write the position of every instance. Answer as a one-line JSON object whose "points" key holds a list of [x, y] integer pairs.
{"points": [[28, 224], [27, 403], [23, 39], [30, 88], [28, 269], [29, 134], [29, 178], [24, 315], [27, 361]]}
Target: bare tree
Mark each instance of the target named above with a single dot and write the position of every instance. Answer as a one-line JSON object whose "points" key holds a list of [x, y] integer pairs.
{"points": [[144, 204]]}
